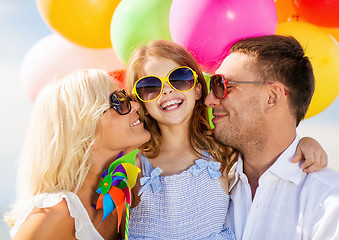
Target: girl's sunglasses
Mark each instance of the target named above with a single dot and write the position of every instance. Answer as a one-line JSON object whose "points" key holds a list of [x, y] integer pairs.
{"points": [[149, 88], [120, 102], [218, 85]]}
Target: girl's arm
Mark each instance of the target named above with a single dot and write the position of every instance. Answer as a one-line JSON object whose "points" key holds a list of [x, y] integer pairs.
{"points": [[312, 152]]}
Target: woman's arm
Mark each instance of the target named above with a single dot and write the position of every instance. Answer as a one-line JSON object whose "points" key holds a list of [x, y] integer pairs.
{"points": [[48, 223]]}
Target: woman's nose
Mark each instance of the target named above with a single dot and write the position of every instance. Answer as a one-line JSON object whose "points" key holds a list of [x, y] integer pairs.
{"points": [[135, 106]]}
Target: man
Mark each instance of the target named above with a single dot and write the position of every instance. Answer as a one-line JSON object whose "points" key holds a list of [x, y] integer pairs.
{"points": [[261, 92]]}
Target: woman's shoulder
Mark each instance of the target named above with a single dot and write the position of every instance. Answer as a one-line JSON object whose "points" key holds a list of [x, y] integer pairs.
{"points": [[44, 222]]}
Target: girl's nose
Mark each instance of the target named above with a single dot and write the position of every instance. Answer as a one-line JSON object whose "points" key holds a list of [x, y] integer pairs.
{"points": [[167, 89]]}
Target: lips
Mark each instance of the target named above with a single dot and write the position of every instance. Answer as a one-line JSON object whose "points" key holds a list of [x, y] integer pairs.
{"points": [[218, 116], [171, 104], [136, 122]]}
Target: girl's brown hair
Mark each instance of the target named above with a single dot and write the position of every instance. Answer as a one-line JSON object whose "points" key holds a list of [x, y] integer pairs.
{"points": [[200, 133]]}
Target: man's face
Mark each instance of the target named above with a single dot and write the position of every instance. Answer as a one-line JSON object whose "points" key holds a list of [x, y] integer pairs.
{"points": [[239, 117]]}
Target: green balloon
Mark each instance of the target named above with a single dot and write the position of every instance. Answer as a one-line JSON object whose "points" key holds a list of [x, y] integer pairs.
{"points": [[136, 23], [210, 114]]}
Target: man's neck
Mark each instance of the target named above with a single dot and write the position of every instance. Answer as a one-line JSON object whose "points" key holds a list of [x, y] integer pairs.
{"points": [[257, 160]]}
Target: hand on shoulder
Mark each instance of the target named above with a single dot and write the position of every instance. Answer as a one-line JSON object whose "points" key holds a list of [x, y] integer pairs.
{"points": [[48, 223]]}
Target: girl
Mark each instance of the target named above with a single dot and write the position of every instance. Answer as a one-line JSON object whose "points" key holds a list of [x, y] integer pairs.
{"points": [[79, 125], [184, 185]]}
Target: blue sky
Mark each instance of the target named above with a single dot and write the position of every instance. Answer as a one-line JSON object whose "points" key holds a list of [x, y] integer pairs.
{"points": [[21, 27]]}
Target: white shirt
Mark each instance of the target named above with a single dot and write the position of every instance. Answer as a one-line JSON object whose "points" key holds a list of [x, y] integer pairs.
{"points": [[288, 203]]}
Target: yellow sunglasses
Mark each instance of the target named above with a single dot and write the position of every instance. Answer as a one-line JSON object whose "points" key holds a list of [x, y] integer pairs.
{"points": [[149, 88]]}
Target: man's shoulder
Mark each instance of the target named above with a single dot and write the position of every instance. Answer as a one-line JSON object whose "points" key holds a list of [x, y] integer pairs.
{"points": [[325, 180]]}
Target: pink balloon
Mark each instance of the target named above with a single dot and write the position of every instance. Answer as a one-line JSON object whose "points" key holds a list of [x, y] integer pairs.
{"points": [[54, 56], [208, 28]]}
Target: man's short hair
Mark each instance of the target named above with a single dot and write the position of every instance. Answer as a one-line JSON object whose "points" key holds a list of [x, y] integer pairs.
{"points": [[282, 58]]}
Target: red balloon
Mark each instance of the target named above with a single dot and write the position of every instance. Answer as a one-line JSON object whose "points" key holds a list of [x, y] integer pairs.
{"points": [[323, 13], [119, 78]]}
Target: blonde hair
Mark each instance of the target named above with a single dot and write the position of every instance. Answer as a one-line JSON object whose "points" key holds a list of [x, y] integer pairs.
{"points": [[56, 155], [200, 133]]}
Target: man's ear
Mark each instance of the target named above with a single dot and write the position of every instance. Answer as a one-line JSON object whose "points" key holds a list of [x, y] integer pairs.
{"points": [[275, 94], [198, 91]]}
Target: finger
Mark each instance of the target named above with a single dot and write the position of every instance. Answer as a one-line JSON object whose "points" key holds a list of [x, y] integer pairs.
{"points": [[297, 156], [309, 160], [324, 160], [310, 169]]}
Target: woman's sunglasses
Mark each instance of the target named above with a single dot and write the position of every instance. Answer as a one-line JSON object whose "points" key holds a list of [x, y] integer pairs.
{"points": [[149, 88], [218, 85], [120, 102]]}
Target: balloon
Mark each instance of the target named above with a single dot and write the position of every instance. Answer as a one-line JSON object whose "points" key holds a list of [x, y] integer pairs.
{"points": [[319, 12], [136, 23], [54, 56], [333, 31], [119, 78], [208, 28], [285, 11], [84, 22], [323, 52]]}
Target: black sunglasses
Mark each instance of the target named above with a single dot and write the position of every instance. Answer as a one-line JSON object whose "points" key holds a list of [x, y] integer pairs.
{"points": [[120, 102]]}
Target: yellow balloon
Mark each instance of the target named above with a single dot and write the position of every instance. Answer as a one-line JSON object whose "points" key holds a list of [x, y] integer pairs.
{"points": [[323, 52], [84, 22], [333, 31]]}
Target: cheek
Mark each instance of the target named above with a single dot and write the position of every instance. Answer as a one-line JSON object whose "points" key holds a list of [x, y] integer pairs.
{"points": [[150, 106]]}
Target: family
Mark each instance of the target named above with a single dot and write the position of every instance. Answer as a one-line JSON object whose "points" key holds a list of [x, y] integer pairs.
{"points": [[251, 177]]}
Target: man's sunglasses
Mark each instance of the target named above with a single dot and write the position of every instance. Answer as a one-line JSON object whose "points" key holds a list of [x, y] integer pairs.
{"points": [[149, 88], [218, 85], [120, 102]]}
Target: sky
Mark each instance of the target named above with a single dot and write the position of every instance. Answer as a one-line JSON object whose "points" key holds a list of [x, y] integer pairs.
{"points": [[21, 26]]}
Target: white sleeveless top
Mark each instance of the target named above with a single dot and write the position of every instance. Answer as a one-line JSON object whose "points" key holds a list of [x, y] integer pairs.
{"points": [[84, 228]]}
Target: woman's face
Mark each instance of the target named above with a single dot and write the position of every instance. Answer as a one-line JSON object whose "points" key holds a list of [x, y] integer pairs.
{"points": [[171, 107], [121, 132]]}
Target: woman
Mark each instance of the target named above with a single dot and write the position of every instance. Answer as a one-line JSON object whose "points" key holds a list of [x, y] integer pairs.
{"points": [[79, 125]]}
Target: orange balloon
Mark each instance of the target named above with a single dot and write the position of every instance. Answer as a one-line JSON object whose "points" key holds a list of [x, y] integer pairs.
{"points": [[84, 22], [285, 11]]}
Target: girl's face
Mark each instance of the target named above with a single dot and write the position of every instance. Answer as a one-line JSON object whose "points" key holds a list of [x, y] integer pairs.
{"points": [[121, 132], [172, 107]]}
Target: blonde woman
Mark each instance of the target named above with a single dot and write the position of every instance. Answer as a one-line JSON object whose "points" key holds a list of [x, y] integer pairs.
{"points": [[79, 125]]}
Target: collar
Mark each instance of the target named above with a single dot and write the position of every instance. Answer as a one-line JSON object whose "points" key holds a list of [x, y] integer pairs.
{"points": [[239, 172], [282, 167]]}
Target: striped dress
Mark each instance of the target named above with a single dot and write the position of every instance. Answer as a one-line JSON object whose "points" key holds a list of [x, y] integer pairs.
{"points": [[189, 205]]}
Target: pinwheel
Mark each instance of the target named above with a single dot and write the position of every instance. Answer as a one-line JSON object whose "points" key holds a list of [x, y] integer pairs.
{"points": [[115, 187]]}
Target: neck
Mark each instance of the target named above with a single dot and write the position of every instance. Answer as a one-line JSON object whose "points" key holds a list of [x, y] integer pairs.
{"points": [[174, 138], [257, 159], [87, 192]]}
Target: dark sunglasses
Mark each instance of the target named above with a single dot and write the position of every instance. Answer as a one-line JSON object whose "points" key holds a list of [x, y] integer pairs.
{"points": [[149, 88], [218, 85], [120, 102]]}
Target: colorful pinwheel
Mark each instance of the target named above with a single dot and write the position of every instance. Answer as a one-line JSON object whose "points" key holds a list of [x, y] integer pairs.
{"points": [[115, 186]]}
